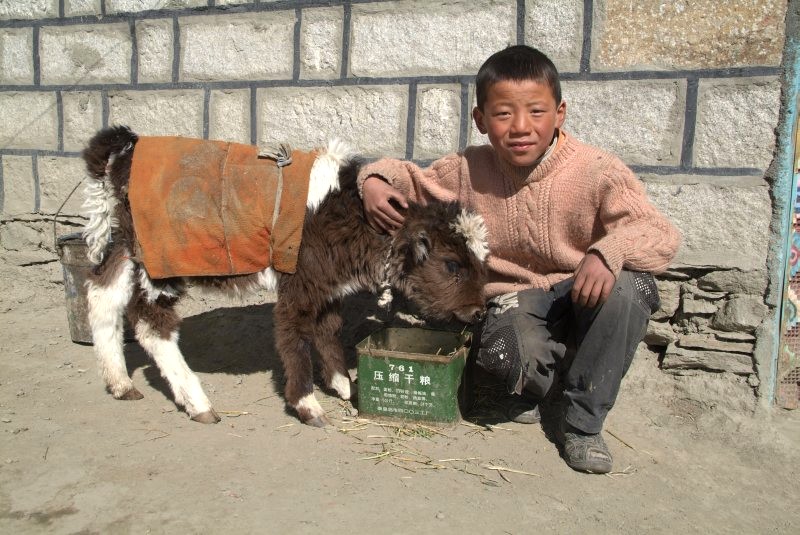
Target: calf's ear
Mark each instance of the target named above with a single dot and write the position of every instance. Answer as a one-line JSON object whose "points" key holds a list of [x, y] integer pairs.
{"points": [[420, 246]]}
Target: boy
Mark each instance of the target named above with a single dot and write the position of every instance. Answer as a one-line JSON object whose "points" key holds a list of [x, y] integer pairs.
{"points": [[573, 242]]}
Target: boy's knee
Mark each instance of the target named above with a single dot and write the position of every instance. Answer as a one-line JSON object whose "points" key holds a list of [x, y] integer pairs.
{"points": [[515, 345], [640, 287], [499, 354]]}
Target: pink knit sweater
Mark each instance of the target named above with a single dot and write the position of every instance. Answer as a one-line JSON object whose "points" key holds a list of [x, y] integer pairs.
{"points": [[543, 220]]}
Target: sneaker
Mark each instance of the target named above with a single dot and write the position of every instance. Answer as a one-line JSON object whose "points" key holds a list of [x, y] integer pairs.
{"points": [[585, 452], [523, 410]]}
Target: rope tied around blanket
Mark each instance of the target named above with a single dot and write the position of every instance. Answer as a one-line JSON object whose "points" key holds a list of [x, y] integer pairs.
{"points": [[282, 154]]}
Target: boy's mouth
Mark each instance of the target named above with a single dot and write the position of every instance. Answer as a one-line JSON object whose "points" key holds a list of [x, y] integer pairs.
{"points": [[520, 146]]}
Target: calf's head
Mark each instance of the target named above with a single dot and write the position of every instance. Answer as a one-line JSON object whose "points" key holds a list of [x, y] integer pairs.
{"points": [[440, 252]]}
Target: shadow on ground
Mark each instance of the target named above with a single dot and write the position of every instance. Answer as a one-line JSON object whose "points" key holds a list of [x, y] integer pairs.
{"points": [[240, 341]]}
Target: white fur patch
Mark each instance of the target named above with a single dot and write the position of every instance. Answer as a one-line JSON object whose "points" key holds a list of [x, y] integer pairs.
{"points": [[343, 290], [268, 279], [106, 307], [386, 297], [310, 403], [99, 207], [167, 355], [325, 172], [152, 291], [473, 228], [341, 384]]}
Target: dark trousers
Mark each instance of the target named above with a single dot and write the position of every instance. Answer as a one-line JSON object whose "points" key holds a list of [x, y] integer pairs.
{"points": [[539, 340]]}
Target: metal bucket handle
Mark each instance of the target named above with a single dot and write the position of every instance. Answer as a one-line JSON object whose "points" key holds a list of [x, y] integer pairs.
{"points": [[58, 212]]}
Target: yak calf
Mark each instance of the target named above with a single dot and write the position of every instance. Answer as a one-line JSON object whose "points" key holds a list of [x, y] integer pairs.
{"points": [[436, 259]]}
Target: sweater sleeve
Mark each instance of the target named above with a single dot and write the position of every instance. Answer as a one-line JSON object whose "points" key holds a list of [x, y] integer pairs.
{"points": [[440, 181], [637, 236]]}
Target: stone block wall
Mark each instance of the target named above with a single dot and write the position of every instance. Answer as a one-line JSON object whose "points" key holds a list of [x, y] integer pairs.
{"points": [[687, 93]]}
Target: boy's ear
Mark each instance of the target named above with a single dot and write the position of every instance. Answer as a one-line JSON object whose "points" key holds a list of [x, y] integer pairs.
{"points": [[561, 113], [477, 115]]}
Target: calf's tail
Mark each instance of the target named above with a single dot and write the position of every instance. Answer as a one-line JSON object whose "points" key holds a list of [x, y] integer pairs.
{"points": [[102, 193]]}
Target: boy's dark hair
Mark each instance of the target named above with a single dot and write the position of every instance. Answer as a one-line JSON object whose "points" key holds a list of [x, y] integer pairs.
{"points": [[517, 63]]}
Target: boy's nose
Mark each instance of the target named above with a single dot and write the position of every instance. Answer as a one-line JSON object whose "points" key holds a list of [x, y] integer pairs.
{"points": [[521, 123]]}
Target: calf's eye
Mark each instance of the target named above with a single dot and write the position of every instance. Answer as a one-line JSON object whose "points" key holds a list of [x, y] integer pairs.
{"points": [[452, 266]]}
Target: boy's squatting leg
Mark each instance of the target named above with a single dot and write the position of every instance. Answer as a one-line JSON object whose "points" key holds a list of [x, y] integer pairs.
{"points": [[539, 324], [606, 340]]}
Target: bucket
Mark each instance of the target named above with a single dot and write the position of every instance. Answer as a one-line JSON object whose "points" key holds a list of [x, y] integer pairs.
{"points": [[72, 251], [76, 267], [414, 374]]}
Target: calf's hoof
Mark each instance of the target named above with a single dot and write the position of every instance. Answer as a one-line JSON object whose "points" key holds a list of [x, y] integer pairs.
{"points": [[317, 421], [131, 395], [208, 417]]}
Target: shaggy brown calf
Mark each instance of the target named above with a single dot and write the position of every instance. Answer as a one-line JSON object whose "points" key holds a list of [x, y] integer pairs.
{"points": [[436, 260]]}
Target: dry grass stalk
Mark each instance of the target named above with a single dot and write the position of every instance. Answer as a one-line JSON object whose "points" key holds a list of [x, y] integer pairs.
{"points": [[483, 479], [628, 445], [265, 397], [628, 471], [163, 435], [403, 467], [511, 470], [396, 449], [234, 414]]}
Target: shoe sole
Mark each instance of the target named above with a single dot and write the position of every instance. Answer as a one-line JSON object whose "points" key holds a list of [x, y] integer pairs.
{"points": [[520, 416], [590, 467]]}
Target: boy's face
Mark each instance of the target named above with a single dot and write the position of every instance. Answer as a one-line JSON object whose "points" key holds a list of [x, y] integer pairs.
{"points": [[520, 118]]}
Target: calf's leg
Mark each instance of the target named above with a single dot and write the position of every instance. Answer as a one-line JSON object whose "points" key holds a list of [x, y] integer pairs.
{"points": [[293, 342], [156, 326], [108, 293], [326, 340]]}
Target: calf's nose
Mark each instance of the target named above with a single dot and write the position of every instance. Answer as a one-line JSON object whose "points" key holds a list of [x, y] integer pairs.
{"points": [[470, 314]]}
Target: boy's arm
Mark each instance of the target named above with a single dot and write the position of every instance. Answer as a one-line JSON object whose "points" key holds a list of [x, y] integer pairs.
{"points": [[638, 236], [378, 197], [386, 184], [593, 281]]}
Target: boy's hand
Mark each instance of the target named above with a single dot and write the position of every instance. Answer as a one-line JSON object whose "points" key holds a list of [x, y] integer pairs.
{"points": [[378, 208], [593, 281]]}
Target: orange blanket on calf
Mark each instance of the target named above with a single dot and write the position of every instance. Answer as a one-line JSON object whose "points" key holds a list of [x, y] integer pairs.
{"points": [[208, 208]]}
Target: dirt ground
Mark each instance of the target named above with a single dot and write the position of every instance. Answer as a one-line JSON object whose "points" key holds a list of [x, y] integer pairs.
{"points": [[74, 460]]}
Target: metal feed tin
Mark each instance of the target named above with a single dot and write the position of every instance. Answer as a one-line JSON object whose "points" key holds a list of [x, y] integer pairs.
{"points": [[76, 267], [412, 374], [72, 251]]}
